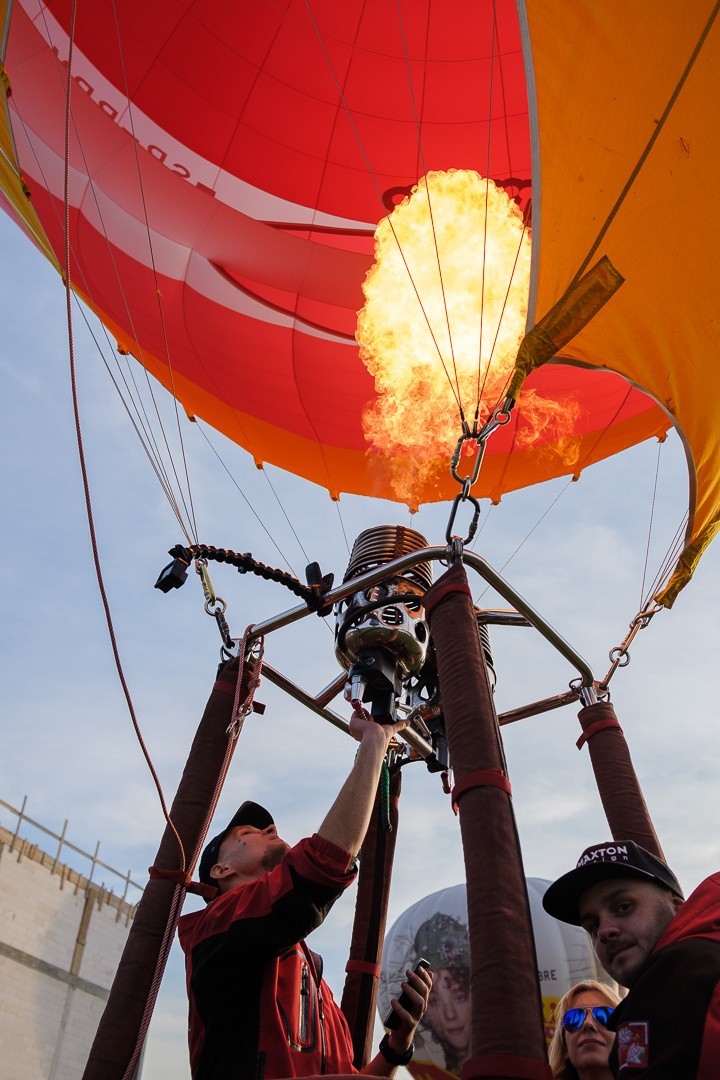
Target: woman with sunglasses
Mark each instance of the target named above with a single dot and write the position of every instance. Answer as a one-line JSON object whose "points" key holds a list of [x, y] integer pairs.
{"points": [[581, 1044]]}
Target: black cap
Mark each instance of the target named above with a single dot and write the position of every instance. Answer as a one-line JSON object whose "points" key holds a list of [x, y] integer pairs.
{"points": [[613, 859], [250, 813]]}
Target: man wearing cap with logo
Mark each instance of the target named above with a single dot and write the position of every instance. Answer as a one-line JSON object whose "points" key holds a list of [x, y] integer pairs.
{"points": [[664, 948], [259, 1007]]}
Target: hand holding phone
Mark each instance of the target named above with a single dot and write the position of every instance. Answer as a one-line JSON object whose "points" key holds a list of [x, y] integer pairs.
{"points": [[393, 1020]]}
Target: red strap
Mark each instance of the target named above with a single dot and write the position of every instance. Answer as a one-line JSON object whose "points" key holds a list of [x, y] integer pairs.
{"points": [[222, 687], [484, 778], [181, 877], [364, 966], [519, 1068], [599, 725], [453, 580]]}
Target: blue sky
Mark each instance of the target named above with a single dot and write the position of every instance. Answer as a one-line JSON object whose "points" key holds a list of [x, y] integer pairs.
{"points": [[67, 739]]}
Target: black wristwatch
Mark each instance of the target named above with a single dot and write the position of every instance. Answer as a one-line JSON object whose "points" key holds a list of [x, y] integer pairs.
{"points": [[393, 1057]]}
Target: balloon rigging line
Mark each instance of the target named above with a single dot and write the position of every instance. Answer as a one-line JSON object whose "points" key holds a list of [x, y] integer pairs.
{"points": [[652, 516], [421, 151], [504, 102], [481, 390], [485, 227], [80, 444], [292, 530], [158, 294], [342, 524], [374, 182], [527, 537], [148, 434], [249, 505], [673, 554], [142, 428], [658, 126], [136, 423]]}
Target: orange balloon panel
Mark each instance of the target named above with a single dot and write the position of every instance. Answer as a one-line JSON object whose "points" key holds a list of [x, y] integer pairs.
{"points": [[229, 164]]}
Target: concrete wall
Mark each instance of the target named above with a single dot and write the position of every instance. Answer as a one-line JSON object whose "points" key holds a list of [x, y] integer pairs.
{"points": [[60, 942]]}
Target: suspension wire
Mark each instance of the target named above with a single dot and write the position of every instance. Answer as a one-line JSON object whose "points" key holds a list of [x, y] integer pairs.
{"points": [[158, 294], [342, 524], [504, 99], [650, 525], [159, 473], [485, 223], [658, 126], [251, 508], [142, 428], [80, 442], [284, 512], [138, 405], [527, 537], [673, 554], [506, 298], [374, 182], [421, 151], [257, 516]]}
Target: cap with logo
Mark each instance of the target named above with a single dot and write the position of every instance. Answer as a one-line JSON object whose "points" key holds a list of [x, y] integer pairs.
{"points": [[615, 858], [250, 813]]}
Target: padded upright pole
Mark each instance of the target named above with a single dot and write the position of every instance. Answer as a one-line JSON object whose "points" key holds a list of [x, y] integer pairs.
{"points": [[360, 994], [140, 968], [618, 785], [508, 1035]]}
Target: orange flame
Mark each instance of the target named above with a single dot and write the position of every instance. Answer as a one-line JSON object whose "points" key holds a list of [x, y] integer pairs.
{"points": [[430, 341]]}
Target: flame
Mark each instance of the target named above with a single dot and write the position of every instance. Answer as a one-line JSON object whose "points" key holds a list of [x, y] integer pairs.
{"points": [[461, 224]]}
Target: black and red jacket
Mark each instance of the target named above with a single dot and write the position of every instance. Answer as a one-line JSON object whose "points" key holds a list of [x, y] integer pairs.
{"points": [[259, 1008], [668, 1027]]}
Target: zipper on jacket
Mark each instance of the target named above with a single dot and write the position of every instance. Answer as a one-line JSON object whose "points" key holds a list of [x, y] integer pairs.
{"points": [[304, 1002], [321, 1023]]}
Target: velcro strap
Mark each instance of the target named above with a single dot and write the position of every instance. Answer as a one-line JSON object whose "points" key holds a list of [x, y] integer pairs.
{"points": [[483, 778], [364, 966], [181, 877], [453, 581], [223, 687], [519, 1068], [599, 725]]}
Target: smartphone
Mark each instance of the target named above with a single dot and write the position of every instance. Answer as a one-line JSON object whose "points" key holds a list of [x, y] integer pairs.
{"points": [[392, 1020]]}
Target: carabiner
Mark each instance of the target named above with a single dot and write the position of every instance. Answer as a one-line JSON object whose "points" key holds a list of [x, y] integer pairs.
{"points": [[451, 521], [466, 482]]}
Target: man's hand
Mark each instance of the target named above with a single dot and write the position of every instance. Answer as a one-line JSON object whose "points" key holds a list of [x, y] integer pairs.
{"points": [[362, 726], [347, 820], [417, 988]]}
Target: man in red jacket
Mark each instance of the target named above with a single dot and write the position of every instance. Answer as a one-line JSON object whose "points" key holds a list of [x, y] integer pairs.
{"points": [[259, 1007], [664, 948]]}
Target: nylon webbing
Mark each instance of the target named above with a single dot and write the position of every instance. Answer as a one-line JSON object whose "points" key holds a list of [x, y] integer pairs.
{"points": [[593, 729]]}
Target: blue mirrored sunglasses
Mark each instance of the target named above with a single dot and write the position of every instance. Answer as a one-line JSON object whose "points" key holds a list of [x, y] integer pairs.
{"points": [[574, 1019]]}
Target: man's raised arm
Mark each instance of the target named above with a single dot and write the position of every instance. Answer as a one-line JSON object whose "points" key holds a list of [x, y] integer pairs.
{"points": [[349, 816]]}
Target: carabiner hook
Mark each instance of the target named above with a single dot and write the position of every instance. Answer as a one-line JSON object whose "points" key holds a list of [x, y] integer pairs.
{"points": [[466, 482], [449, 538]]}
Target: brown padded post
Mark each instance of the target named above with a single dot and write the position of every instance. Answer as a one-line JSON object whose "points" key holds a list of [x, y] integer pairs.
{"points": [[507, 1022], [618, 785], [119, 1027], [359, 998]]}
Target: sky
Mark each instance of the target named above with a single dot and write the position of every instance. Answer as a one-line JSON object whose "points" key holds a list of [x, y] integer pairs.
{"points": [[575, 551]]}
